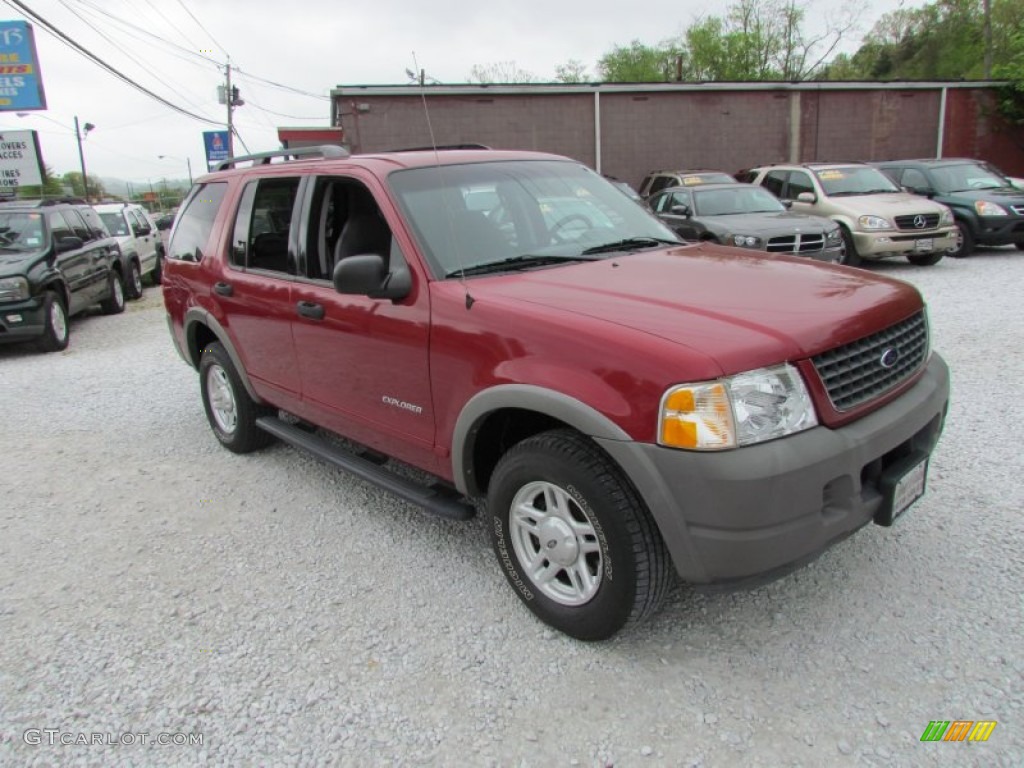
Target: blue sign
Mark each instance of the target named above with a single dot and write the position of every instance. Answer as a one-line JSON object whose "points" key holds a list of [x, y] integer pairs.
{"points": [[218, 148], [21, 84]]}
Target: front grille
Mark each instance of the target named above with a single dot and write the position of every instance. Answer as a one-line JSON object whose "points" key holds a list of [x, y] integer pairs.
{"points": [[854, 374], [1018, 209], [918, 221], [797, 243]]}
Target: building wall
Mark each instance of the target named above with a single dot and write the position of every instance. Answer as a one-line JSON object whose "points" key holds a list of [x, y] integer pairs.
{"points": [[661, 128]]}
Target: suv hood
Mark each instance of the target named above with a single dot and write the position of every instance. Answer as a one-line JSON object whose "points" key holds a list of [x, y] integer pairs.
{"points": [[18, 263], [739, 309], [886, 204], [1003, 196]]}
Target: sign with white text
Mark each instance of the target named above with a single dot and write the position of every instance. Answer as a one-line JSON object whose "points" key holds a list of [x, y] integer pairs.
{"points": [[218, 148], [20, 161], [21, 83]]}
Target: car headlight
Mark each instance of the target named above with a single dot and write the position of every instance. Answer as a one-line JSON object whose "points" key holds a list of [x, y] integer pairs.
{"points": [[874, 222], [985, 208], [739, 410], [834, 237], [946, 217], [746, 241], [13, 289]]}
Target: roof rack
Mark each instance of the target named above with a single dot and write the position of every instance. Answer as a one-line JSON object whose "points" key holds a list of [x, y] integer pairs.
{"points": [[328, 151], [40, 202], [441, 148]]}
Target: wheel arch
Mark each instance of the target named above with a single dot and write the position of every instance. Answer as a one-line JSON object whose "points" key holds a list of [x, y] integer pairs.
{"points": [[201, 330], [497, 418]]}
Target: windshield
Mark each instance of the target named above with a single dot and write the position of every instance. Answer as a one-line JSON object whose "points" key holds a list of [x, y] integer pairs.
{"points": [[524, 212], [734, 200], [115, 223], [21, 231], [854, 180], [966, 177]]}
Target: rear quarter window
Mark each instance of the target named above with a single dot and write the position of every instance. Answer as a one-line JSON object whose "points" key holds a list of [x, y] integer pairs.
{"points": [[195, 223]]}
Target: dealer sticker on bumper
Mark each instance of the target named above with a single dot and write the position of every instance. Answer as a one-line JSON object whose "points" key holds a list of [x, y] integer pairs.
{"points": [[901, 485], [924, 244]]}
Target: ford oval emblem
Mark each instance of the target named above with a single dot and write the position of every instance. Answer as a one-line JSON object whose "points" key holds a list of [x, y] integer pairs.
{"points": [[919, 221], [889, 357]]}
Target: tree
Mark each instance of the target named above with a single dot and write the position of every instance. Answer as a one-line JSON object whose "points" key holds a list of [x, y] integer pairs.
{"points": [[573, 71], [500, 72], [73, 179], [639, 63], [51, 186]]}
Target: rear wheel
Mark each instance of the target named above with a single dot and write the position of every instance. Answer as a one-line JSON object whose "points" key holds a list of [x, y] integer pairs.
{"points": [[133, 288], [232, 413], [573, 538], [924, 259], [114, 304], [964, 245], [849, 256], [55, 331]]}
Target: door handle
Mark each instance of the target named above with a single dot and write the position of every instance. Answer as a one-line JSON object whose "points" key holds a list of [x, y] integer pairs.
{"points": [[224, 289], [311, 310]]}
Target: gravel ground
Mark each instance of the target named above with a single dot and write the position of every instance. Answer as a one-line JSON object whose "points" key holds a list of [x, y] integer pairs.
{"points": [[152, 582]]}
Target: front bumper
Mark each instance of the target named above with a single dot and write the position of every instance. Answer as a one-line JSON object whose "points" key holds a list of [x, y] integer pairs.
{"points": [[880, 245], [739, 514], [22, 320], [1000, 230]]}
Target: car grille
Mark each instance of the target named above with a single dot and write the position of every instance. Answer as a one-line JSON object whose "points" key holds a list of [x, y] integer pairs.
{"points": [[855, 374], [797, 244], [931, 220], [1018, 209]]}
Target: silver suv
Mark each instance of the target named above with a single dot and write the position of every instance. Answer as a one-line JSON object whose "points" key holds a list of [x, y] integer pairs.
{"points": [[878, 219], [141, 245]]}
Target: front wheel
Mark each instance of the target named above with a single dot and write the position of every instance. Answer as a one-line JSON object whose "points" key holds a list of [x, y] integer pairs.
{"points": [[55, 329], [964, 245], [573, 538], [158, 273], [133, 287], [229, 409], [1020, 246], [114, 304], [924, 259], [849, 256]]}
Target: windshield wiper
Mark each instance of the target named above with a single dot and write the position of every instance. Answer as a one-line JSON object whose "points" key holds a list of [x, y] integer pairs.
{"points": [[524, 261], [628, 244]]}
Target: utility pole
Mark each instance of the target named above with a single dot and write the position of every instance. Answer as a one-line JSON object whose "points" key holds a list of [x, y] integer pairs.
{"points": [[230, 100]]}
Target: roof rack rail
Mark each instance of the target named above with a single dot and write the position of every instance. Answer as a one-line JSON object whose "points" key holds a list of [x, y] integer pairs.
{"points": [[329, 151], [441, 148]]}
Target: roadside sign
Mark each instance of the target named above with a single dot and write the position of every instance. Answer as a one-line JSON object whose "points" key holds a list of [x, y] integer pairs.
{"points": [[21, 83], [20, 162], [217, 147]]}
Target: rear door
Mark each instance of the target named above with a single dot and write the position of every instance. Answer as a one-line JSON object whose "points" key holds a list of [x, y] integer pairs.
{"points": [[145, 238], [84, 268]]}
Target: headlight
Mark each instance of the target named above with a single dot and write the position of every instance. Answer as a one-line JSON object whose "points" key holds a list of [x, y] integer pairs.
{"points": [[740, 410], [874, 222], [746, 241], [985, 208], [13, 289], [946, 217], [834, 237]]}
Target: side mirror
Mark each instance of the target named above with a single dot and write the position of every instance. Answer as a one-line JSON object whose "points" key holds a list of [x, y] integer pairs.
{"points": [[807, 197], [69, 243], [787, 203], [680, 210], [366, 275]]}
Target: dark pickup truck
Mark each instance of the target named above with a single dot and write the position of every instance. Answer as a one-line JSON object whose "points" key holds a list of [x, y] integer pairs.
{"points": [[516, 330]]}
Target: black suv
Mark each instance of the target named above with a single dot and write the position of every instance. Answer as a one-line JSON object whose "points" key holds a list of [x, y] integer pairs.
{"points": [[55, 261], [987, 208]]}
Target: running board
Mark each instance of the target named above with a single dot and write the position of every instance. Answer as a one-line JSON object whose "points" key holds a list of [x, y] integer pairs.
{"points": [[436, 499]]}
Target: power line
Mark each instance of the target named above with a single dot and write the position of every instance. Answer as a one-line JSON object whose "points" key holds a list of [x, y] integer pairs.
{"points": [[290, 88], [17, 4], [170, 23], [251, 103], [197, 21]]}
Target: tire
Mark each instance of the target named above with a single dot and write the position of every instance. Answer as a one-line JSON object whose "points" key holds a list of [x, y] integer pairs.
{"points": [[964, 241], [599, 516], [229, 409], [55, 332], [1020, 246], [849, 256], [157, 275], [133, 286], [925, 259], [114, 304]]}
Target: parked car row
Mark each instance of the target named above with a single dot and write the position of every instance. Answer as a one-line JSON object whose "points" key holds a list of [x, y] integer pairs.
{"points": [[919, 209], [59, 257]]}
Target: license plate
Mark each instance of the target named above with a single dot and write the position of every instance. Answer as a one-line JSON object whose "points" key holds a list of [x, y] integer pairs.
{"points": [[909, 489], [901, 485], [924, 244]]}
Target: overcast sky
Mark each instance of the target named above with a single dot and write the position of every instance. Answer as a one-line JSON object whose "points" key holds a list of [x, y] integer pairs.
{"points": [[309, 45]]}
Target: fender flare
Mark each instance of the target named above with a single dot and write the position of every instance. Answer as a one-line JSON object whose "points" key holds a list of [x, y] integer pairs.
{"points": [[196, 316], [569, 410]]}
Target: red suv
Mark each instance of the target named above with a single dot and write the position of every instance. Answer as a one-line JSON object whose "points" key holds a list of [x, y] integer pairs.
{"points": [[515, 328]]}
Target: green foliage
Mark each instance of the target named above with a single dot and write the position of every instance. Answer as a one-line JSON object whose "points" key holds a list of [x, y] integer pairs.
{"points": [[639, 63], [573, 71], [1011, 96], [499, 72], [51, 186]]}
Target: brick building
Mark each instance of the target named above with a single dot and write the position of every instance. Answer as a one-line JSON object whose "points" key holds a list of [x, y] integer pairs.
{"points": [[626, 130]]}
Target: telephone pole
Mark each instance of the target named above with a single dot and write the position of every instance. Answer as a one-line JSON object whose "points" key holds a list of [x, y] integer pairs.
{"points": [[230, 99]]}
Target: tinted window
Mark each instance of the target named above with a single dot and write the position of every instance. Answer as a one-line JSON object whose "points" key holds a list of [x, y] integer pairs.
{"points": [[854, 180], [799, 182], [95, 224], [78, 225], [774, 181], [272, 206], [659, 183], [966, 177], [735, 200], [58, 226], [139, 222], [193, 230], [21, 231], [116, 224], [915, 180]]}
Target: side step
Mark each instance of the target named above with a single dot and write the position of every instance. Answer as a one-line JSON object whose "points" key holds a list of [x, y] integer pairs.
{"points": [[438, 499]]}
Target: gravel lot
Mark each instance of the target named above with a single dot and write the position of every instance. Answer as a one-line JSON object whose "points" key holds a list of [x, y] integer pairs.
{"points": [[152, 582]]}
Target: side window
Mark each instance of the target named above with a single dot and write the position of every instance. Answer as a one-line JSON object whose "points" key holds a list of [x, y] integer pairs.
{"points": [[94, 222], [774, 181], [659, 203], [272, 207], [78, 225], [681, 198], [346, 221], [915, 180], [58, 226], [659, 183], [239, 247], [799, 182], [139, 223], [196, 222]]}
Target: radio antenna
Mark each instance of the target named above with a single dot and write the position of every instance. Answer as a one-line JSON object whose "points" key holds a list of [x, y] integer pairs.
{"points": [[440, 172]]}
